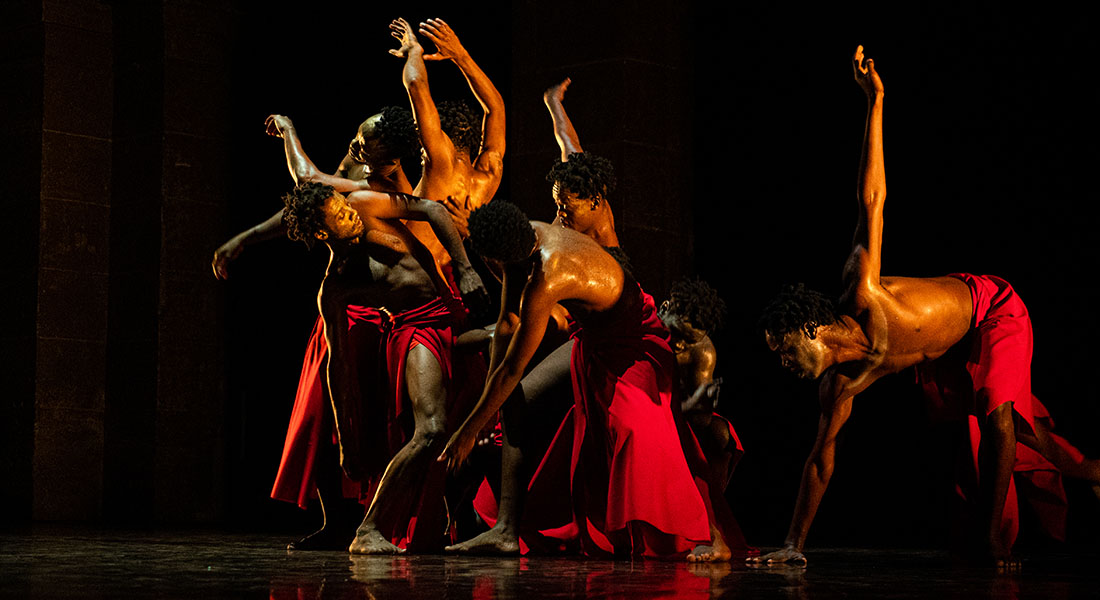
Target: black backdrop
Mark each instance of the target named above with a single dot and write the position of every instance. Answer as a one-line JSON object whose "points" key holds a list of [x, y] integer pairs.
{"points": [[989, 133]]}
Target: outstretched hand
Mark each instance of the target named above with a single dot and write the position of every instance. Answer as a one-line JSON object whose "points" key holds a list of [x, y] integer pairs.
{"points": [[446, 42], [227, 253], [460, 214], [866, 76], [556, 92], [458, 449], [277, 125], [403, 32]]}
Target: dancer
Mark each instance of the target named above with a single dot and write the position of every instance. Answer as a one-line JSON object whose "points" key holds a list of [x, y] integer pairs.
{"points": [[691, 313], [310, 461], [545, 394], [368, 268], [882, 325], [581, 180], [622, 376], [463, 161]]}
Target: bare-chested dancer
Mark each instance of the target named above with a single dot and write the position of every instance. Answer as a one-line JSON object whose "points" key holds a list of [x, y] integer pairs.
{"points": [[581, 182], [309, 463], [366, 266], [463, 161], [692, 312], [623, 373], [882, 325]]}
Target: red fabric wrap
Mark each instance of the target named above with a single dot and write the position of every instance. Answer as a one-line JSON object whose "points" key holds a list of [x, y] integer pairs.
{"points": [[311, 419], [631, 488], [993, 363], [390, 422]]}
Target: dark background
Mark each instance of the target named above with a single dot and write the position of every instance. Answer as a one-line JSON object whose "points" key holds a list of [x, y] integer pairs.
{"points": [[143, 391]]}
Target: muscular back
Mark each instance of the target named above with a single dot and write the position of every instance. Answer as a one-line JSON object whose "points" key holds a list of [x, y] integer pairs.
{"points": [[576, 271], [905, 320], [455, 178]]}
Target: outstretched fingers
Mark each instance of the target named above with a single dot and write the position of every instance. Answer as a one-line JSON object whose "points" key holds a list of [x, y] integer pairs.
{"points": [[436, 29], [857, 62]]}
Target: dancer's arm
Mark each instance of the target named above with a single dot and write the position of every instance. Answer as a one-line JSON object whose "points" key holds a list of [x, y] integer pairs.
{"points": [[380, 205], [817, 471], [871, 187], [438, 149], [564, 132], [491, 157], [271, 228], [301, 167], [536, 305]]}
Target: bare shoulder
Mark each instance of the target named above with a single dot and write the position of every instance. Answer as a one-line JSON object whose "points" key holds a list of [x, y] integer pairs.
{"points": [[703, 352], [841, 383], [490, 163]]}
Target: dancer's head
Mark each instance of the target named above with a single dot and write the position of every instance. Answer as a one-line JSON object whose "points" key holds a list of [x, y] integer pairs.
{"points": [[313, 211], [388, 136], [791, 323], [580, 186], [692, 311], [462, 125], [499, 231]]}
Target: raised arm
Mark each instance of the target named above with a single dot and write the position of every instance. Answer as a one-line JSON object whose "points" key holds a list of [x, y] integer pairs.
{"points": [[490, 159], [301, 167], [379, 205], [506, 369], [816, 473], [272, 228], [438, 149], [563, 127], [871, 189]]}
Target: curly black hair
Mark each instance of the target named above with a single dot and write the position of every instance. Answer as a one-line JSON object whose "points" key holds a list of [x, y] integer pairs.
{"points": [[461, 124], [798, 308], [303, 212], [585, 174], [499, 230], [694, 300], [397, 132]]}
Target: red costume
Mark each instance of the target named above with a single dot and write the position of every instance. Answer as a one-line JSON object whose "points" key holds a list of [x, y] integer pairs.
{"points": [[616, 477], [387, 422], [311, 419], [389, 425], [995, 358]]}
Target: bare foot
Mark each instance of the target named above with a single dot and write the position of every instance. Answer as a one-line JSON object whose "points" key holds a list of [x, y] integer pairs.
{"points": [[492, 542], [1008, 564], [713, 553], [325, 538], [370, 541], [717, 551]]}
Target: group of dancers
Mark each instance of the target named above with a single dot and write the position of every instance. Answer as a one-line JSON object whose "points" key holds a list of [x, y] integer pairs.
{"points": [[583, 419]]}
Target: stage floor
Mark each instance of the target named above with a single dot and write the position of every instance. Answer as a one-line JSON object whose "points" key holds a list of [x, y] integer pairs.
{"points": [[64, 563]]}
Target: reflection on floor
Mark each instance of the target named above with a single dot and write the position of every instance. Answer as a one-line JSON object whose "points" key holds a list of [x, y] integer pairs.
{"points": [[51, 563]]}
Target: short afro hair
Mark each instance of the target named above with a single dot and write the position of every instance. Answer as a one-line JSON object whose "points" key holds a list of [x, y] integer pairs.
{"points": [[694, 300], [303, 212], [500, 231], [797, 308], [461, 124], [585, 174], [397, 132]]}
